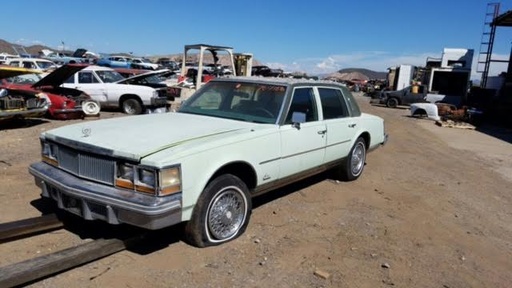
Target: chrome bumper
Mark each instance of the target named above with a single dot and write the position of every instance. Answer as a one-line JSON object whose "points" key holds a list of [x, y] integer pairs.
{"points": [[94, 201]]}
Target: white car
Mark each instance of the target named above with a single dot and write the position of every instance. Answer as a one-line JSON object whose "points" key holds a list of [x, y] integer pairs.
{"points": [[32, 63], [100, 83], [233, 139], [142, 63]]}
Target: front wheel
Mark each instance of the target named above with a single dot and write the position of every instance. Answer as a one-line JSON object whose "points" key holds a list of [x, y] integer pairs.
{"points": [[131, 106], [392, 103], [221, 214], [352, 166]]}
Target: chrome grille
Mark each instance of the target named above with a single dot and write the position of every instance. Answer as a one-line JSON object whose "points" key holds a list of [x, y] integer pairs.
{"points": [[86, 165]]}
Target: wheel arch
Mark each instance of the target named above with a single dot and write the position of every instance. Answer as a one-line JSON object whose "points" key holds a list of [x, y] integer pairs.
{"points": [[129, 96], [240, 169], [366, 137], [419, 112]]}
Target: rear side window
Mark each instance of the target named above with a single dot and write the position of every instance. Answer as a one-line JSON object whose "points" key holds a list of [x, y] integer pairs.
{"points": [[86, 77], [351, 103], [333, 105]]}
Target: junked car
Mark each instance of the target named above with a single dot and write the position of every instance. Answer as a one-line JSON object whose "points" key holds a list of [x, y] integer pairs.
{"points": [[66, 103], [20, 104], [115, 62], [101, 84], [233, 139], [149, 78], [31, 63], [143, 63]]}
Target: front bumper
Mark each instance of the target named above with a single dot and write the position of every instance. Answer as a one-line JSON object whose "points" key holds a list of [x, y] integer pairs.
{"points": [[94, 201], [159, 101], [66, 114]]}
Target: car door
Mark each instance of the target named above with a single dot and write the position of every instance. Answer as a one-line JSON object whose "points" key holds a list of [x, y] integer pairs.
{"points": [[303, 147], [88, 81], [341, 127]]}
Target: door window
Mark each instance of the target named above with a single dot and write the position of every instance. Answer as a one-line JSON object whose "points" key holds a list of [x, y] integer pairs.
{"points": [[303, 101]]}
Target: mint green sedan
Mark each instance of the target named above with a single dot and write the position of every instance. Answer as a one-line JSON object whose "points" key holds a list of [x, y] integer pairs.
{"points": [[233, 139]]}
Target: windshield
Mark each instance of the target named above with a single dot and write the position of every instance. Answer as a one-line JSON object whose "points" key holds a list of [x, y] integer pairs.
{"points": [[108, 76], [24, 79], [45, 65], [250, 102]]}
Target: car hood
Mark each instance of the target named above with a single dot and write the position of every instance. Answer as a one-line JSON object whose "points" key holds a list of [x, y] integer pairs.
{"points": [[59, 75], [9, 71], [142, 76], [136, 137]]}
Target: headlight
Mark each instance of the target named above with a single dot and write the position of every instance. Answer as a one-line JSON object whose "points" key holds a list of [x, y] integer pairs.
{"points": [[170, 181], [149, 180], [155, 93], [146, 180], [125, 176], [49, 153]]}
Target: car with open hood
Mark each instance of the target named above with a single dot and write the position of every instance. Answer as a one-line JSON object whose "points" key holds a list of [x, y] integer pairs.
{"points": [[154, 79], [66, 103], [102, 84], [233, 139], [19, 103]]}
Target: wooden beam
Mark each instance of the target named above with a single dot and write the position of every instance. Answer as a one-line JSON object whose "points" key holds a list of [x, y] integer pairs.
{"points": [[30, 226], [51, 264]]}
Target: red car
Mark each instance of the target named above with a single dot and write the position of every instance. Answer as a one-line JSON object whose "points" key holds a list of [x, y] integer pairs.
{"points": [[66, 103]]}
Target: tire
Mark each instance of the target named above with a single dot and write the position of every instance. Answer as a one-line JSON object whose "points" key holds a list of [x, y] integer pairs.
{"points": [[221, 214], [90, 108], [353, 165], [392, 103], [131, 106]]}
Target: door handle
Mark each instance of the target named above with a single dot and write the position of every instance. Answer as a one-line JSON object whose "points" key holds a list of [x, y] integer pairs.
{"points": [[352, 125], [322, 132]]}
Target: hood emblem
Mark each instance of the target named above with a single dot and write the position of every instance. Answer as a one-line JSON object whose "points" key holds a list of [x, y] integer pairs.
{"points": [[86, 132]]}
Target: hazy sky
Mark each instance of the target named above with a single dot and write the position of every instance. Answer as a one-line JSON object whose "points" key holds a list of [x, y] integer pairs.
{"points": [[316, 37]]}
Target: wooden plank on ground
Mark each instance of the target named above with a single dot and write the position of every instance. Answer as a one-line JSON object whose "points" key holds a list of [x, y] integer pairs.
{"points": [[16, 229], [47, 265]]}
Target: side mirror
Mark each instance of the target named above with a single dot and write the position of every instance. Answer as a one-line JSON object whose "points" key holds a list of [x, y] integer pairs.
{"points": [[297, 118]]}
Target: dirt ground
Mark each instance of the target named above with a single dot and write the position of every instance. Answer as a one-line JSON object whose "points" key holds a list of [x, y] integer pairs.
{"points": [[432, 209]]}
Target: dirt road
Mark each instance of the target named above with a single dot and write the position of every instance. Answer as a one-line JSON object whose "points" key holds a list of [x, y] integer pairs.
{"points": [[432, 209]]}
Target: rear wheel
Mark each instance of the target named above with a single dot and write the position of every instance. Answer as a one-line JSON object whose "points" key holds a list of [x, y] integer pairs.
{"points": [[131, 106], [352, 166], [221, 214]]}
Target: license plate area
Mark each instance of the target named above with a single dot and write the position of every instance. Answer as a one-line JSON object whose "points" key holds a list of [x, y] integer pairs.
{"points": [[72, 204]]}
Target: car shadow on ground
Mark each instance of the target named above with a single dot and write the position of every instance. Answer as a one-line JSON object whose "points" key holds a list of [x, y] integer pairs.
{"points": [[20, 123], [97, 229], [502, 133], [157, 239]]}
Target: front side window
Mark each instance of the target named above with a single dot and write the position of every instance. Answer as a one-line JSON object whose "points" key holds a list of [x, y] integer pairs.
{"points": [[333, 105], [303, 101]]}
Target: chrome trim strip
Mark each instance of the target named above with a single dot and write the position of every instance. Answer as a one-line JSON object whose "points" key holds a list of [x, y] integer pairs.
{"points": [[338, 143]]}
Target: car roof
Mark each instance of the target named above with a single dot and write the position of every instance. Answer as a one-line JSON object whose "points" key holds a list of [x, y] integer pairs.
{"points": [[98, 68], [278, 81], [30, 59]]}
